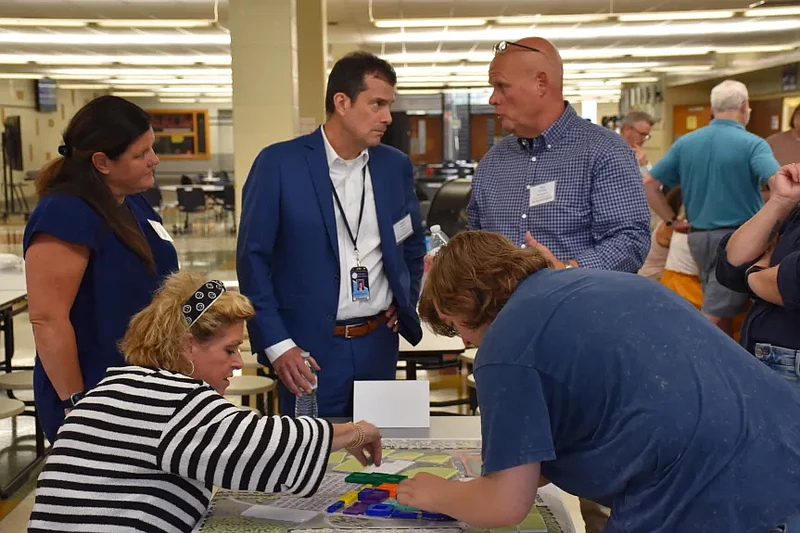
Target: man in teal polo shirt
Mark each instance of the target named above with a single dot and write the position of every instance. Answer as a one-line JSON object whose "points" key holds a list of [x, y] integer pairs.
{"points": [[720, 169]]}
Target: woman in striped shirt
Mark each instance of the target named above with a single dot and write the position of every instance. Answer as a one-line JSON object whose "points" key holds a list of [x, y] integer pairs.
{"points": [[143, 449]]}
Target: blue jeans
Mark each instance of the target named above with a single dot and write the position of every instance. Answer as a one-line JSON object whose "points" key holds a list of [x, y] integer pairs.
{"points": [[784, 361]]}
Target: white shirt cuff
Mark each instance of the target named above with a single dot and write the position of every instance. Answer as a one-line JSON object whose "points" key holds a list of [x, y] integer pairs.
{"points": [[277, 350]]}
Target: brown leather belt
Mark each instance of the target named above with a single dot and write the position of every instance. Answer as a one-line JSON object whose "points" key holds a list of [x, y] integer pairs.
{"points": [[359, 330]]}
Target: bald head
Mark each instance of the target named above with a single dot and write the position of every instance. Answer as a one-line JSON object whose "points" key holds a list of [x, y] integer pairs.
{"points": [[528, 85]]}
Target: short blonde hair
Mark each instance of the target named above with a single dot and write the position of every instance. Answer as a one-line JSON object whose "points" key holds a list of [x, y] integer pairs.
{"points": [[156, 335], [472, 277]]}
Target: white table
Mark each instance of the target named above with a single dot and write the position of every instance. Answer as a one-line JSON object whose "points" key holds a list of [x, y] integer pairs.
{"points": [[431, 347]]}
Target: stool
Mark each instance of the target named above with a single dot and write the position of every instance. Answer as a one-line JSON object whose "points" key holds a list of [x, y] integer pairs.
{"points": [[473, 393], [246, 386], [19, 380], [10, 407], [468, 357], [245, 347]]}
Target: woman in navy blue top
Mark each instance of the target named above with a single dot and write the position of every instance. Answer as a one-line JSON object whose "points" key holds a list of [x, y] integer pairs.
{"points": [[763, 258], [95, 252]]}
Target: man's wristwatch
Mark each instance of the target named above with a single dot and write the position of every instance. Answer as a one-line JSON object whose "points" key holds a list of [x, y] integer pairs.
{"points": [[73, 400], [670, 222]]}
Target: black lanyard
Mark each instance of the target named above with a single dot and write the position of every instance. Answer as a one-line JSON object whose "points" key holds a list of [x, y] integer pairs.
{"points": [[360, 213]]}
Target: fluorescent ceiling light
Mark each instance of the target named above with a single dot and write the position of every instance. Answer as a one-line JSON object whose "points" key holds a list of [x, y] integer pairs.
{"points": [[428, 23], [153, 23], [772, 12], [170, 81], [198, 88], [727, 27], [133, 94], [443, 79], [177, 100], [683, 68], [755, 48], [108, 23], [550, 19], [675, 15], [56, 23], [20, 76], [123, 59], [171, 72], [79, 86], [119, 38]]}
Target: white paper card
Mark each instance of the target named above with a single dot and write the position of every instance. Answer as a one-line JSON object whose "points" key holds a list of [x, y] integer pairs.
{"points": [[268, 512], [160, 230], [393, 404], [389, 467], [403, 229], [542, 194]]}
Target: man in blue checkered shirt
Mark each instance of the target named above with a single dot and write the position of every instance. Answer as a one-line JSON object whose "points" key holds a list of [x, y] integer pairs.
{"points": [[573, 185]]}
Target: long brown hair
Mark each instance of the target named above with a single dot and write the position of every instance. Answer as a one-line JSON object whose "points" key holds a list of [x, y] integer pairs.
{"points": [[107, 124], [472, 277]]}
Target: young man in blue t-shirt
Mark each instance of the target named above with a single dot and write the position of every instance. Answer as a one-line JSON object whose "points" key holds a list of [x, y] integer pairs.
{"points": [[615, 389]]}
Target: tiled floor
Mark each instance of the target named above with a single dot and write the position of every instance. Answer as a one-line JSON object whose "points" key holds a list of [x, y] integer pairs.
{"points": [[211, 252]]}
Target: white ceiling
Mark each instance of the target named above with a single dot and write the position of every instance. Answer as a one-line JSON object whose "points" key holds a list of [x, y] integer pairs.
{"points": [[599, 54]]}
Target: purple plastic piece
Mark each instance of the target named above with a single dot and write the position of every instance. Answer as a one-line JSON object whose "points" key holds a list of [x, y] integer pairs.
{"points": [[356, 509]]}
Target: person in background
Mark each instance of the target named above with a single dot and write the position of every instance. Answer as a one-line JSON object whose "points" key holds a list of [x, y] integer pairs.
{"points": [[564, 186], [635, 130], [95, 251], [786, 145], [720, 169], [762, 259], [574, 186], [655, 261], [645, 405], [143, 449], [320, 212]]}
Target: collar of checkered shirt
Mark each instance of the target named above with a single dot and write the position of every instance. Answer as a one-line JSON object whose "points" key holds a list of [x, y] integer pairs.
{"points": [[556, 131]]}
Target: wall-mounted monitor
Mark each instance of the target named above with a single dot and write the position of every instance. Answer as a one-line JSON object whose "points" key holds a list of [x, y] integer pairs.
{"points": [[46, 95]]}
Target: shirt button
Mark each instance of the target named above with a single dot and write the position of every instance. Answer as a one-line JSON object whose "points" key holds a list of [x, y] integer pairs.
{"points": [[524, 215], [336, 278], [330, 318], [524, 246], [533, 158], [549, 146]]}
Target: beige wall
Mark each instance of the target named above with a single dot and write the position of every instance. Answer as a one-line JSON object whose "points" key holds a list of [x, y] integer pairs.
{"points": [[41, 132]]}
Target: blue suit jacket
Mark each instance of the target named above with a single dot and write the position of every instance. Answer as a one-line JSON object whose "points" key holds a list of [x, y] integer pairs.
{"points": [[288, 254]]}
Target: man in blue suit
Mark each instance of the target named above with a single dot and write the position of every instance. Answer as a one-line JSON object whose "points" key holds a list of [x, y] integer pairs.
{"points": [[331, 244]]}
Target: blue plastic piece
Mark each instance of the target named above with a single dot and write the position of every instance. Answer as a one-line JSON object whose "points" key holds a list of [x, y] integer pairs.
{"points": [[380, 509], [397, 513], [364, 494], [335, 507]]}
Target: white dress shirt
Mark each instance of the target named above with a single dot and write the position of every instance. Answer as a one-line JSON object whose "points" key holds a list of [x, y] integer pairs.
{"points": [[347, 179]]}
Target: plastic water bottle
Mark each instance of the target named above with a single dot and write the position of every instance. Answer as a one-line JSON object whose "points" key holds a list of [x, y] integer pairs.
{"points": [[306, 405], [438, 239]]}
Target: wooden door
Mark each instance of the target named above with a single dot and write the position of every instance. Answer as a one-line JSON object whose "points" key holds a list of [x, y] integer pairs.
{"points": [[426, 138], [687, 118], [765, 117], [484, 132]]}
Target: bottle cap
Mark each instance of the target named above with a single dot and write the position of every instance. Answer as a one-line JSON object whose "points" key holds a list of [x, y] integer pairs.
{"points": [[436, 228]]}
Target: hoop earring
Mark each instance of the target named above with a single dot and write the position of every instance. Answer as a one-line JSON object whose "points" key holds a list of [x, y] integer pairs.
{"points": [[191, 372]]}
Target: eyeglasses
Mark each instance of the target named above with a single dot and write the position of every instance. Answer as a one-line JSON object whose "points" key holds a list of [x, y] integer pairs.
{"points": [[645, 136], [502, 46]]}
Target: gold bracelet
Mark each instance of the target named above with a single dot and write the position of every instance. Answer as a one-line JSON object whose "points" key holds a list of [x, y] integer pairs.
{"points": [[359, 439]]}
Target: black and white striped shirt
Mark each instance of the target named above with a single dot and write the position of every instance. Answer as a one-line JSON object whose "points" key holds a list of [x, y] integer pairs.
{"points": [[143, 449]]}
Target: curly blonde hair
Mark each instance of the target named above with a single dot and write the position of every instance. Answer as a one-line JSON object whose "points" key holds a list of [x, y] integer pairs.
{"points": [[156, 335], [472, 277]]}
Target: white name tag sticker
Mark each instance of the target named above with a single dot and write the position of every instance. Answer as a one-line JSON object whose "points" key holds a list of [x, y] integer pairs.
{"points": [[542, 194], [403, 229], [160, 230]]}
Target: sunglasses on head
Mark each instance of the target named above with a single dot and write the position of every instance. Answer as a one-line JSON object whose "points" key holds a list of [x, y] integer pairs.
{"points": [[502, 46]]}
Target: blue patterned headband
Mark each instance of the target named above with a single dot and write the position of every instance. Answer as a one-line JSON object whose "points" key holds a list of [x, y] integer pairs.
{"points": [[201, 300]]}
